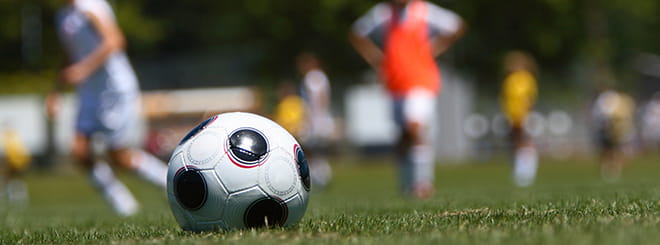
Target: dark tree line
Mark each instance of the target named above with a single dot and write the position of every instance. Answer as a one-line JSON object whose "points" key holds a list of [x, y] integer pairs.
{"points": [[200, 43]]}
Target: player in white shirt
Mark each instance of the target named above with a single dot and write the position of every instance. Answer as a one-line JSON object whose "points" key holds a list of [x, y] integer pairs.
{"points": [[319, 128], [108, 98]]}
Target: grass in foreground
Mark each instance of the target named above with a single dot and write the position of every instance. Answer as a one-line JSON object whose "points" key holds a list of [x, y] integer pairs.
{"points": [[474, 204]]}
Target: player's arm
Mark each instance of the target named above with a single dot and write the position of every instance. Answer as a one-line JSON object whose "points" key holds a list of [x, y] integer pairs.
{"points": [[373, 20], [448, 26], [111, 40], [52, 100], [367, 49], [534, 91], [443, 42]]}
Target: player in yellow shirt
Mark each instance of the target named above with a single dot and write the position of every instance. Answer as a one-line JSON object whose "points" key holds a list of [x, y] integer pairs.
{"points": [[518, 96], [17, 158]]}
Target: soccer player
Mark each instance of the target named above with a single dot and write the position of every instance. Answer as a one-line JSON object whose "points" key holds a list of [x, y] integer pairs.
{"points": [[518, 96], [401, 39], [612, 114], [320, 125], [650, 125], [17, 158], [108, 99]]}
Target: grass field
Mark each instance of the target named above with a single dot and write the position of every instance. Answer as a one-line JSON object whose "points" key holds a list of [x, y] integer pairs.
{"points": [[474, 204]]}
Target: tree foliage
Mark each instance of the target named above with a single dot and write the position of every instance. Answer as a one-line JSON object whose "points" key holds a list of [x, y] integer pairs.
{"points": [[264, 36]]}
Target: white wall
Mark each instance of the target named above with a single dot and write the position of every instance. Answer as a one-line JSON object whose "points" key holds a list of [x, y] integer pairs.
{"points": [[24, 114]]}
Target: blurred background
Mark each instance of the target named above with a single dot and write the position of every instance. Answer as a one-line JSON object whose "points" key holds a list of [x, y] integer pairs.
{"points": [[196, 58]]}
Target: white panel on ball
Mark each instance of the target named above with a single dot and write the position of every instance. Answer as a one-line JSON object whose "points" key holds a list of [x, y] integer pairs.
{"points": [[205, 149], [237, 178], [279, 176]]}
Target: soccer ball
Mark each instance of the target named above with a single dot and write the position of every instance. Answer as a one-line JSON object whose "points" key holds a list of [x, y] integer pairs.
{"points": [[237, 170]]}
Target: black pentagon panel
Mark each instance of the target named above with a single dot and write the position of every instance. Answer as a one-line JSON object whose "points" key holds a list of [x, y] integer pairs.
{"points": [[197, 129], [266, 212], [248, 145], [303, 169], [190, 188]]}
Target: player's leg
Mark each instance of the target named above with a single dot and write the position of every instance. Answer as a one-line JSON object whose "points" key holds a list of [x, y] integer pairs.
{"points": [[103, 178], [525, 158], [402, 148], [17, 159], [320, 170], [608, 169], [421, 157], [319, 167], [145, 165], [610, 162], [318, 143], [419, 111], [17, 191]]}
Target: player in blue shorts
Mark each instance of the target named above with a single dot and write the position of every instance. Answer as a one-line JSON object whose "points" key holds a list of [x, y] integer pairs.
{"points": [[108, 99]]}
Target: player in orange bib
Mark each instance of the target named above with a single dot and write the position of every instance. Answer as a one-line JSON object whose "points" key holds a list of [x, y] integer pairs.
{"points": [[401, 39]]}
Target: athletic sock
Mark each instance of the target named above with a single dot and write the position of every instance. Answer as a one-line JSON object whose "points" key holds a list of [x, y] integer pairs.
{"points": [[151, 169], [119, 197], [405, 174], [422, 160], [17, 192], [610, 171], [320, 171], [525, 166]]}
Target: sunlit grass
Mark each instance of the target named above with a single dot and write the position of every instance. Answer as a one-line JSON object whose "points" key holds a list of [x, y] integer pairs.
{"points": [[474, 204]]}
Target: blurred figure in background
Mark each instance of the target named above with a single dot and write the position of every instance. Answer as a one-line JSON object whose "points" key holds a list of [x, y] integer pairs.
{"points": [[17, 158], [320, 126], [108, 99], [290, 109], [401, 39], [650, 125], [518, 97], [612, 116]]}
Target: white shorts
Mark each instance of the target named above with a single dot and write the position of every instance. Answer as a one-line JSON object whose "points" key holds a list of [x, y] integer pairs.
{"points": [[418, 106], [112, 114]]}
